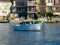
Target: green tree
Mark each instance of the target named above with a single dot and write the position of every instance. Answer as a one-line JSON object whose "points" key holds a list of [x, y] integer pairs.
{"points": [[49, 14]]}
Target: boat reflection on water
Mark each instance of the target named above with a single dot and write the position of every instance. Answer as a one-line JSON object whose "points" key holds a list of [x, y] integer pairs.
{"points": [[28, 25]]}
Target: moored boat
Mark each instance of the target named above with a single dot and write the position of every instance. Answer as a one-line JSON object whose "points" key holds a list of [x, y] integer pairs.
{"points": [[28, 25]]}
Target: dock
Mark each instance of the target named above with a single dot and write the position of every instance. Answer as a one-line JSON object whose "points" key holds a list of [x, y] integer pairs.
{"points": [[4, 21], [52, 22]]}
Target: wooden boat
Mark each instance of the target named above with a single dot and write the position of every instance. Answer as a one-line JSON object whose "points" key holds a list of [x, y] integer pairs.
{"points": [[28, 25]]}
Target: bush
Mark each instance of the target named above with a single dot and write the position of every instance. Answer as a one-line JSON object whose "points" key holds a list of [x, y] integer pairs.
{"points": [[49, 13]]}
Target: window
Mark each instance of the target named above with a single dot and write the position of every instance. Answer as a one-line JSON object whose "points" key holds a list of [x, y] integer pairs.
{"points": [[50, 1], [20, 3], [34, 8], [58, 8], [13, 9], [42, 1], [57, 1], [42, 8], [49, 7], [29, 8]]}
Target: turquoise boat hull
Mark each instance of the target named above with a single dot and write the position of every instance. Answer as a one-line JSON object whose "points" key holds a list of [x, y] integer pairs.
{"points": [[28, 26]]}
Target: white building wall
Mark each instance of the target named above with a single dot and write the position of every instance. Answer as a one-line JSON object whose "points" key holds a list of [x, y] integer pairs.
{"points": [[5, 8], [49, 4]]}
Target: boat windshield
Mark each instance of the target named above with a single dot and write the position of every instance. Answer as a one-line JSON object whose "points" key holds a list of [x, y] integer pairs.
{"points": [[37, 22], [30, 22]]}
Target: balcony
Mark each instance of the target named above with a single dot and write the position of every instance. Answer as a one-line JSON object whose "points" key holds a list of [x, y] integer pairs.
{"points": [[42, 4], [42, 11], [31, 3], [20, 4], [21, 11], [56, 4], [57, 11], [31, 11]]}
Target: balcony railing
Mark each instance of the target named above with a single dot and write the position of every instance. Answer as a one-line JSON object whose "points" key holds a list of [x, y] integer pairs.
{"points": [[56, 3], [42, 11], [31, 11], [42, 3], [31, 3], [21, 11], [20, 4], [57, 11]]}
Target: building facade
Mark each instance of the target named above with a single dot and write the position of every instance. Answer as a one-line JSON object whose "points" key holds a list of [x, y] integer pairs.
{"points": [[56, 7], [21, 7], [50, 5], [42, 7], [5, 7], [31, 7], [27, 8]]}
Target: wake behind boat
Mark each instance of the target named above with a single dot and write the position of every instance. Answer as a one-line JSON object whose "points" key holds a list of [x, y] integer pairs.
{"points": [[28, 25]]}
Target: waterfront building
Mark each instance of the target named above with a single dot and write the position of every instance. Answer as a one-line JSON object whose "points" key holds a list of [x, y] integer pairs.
{"points": [[29, 8], [42, 7], [4, 8], [53, 5], [50, 5], [21, 7], [56, 7], [32, 7]]}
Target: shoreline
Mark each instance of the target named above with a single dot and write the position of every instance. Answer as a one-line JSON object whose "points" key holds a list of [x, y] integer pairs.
{"points": [[52, 21], [16, 21], [29, 19]]}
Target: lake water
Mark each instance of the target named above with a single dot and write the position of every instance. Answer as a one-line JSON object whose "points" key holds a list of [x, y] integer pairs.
{"points": [[49, 35]]}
